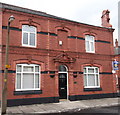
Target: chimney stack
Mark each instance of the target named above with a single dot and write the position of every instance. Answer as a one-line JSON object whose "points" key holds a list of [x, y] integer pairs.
{"points": [[105, 19]]}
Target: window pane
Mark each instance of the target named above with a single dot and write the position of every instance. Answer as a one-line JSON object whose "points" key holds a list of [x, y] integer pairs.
{"points": [[25, 38], [19, 68], [25, 27], [85, 71], [87, 46], [62, 76], [97, 80], [32, 29], [36, 68], [91, 80], [28, 28], [85, 80], [96, 70], [28, 81], [36, 80], [90, 70], [18, 81], [91, 38], [92, 46], [28, 68], [87, 37], [32, 39]]}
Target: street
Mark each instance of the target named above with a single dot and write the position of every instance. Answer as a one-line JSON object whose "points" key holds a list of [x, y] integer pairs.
{"points": [[113, 110], [105, 106], [106, 110]]}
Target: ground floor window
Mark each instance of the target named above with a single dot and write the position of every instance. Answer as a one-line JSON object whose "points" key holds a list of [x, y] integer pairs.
{"points": [[91, 77], [27, 77]]}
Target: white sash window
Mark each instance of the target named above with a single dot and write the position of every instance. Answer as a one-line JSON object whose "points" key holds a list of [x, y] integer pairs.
{"points": [[90, 44], [28, 36], [91, 77], [27, 77]]}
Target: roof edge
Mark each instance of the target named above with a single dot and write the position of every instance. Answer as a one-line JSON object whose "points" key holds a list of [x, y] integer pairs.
{"points": [[40, 13]]}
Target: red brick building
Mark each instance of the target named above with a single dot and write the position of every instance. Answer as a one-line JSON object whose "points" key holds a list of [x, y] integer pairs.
{"points": [[117, 57], [53, 58]]}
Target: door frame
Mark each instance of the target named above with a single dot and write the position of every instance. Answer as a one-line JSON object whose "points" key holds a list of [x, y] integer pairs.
{"points": [[66, 72]]}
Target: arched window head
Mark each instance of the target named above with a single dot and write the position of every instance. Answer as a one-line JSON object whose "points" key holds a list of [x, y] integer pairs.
{"points": [[62, 68]]}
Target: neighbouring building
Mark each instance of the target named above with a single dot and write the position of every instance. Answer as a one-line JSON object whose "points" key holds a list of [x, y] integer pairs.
{"points": [[53, 58], [117, 58]]}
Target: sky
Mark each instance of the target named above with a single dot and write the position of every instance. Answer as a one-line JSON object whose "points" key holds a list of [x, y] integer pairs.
{"points": [[84, 11]]}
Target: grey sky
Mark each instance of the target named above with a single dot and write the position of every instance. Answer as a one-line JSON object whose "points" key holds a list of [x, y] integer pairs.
{"points": [[85, 11]]}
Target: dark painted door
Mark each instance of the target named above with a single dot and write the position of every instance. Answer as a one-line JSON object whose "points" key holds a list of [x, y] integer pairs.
{"points": [[63, 85]]}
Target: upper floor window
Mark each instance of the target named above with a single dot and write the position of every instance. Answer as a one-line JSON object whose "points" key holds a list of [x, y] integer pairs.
{"points": [[91, 77], [28, 36], [27, 77], [90, 44]]}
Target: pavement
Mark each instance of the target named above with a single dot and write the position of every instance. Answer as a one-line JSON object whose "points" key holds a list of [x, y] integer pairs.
{"points": [[62, 106]]}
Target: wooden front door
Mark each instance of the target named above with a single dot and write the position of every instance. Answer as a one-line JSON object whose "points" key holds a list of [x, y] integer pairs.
{"points": [[63, 85]]}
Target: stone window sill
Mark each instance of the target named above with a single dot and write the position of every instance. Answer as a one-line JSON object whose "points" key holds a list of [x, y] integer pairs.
{"points": [[92, 89], [28, 92]]}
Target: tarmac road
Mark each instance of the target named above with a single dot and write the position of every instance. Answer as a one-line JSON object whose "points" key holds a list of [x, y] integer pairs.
{"points": [[113, 110], [106, 110]]}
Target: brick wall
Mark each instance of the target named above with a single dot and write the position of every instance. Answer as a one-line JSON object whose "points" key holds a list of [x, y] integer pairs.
{"points": [[49, 32]]}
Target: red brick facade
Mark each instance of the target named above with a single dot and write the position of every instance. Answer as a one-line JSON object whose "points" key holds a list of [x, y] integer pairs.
{"points": [[50, 54]]}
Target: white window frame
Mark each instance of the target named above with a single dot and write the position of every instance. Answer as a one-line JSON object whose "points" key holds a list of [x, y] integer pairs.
{"points": [[90, 41], [95, 75], [27, 65], [28, 32]]}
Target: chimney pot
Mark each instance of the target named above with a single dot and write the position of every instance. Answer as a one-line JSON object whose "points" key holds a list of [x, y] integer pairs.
{"points": [[116, 43], [105, 19]]}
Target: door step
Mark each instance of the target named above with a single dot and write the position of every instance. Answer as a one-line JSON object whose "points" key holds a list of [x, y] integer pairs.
{"points": [[64, 100]]}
